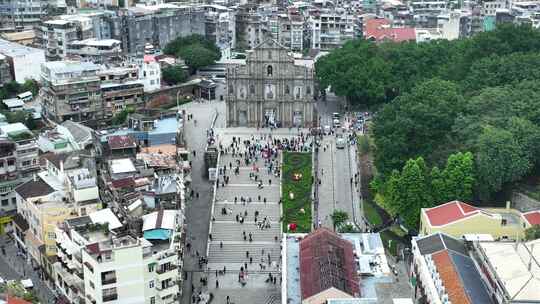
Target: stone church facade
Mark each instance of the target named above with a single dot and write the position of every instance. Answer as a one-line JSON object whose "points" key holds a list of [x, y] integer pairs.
{"points": [[270, 90]]}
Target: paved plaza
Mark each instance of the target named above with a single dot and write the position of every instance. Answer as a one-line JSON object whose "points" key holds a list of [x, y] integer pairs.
{"points": [[229, 249]]}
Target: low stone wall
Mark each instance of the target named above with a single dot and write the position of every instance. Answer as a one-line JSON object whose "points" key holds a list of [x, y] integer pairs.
{"points": [[524, 203]]}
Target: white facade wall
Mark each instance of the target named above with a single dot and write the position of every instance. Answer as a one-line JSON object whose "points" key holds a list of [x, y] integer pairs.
{"points": [[27, 66], [150, 75]]}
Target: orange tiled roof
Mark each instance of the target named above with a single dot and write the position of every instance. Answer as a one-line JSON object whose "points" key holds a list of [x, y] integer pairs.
{"points": [[450, 278]]}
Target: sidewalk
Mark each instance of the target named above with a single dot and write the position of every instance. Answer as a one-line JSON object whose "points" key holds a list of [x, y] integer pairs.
{"points": [[14, 267]]}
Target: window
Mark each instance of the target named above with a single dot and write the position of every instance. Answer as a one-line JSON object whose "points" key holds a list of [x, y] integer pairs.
{"points": [[108, 277], [287, 89], [503, 222], [5, 202], [231, 89], [269, 70], [151, 267], [51, 235], [151, 284], [152, 300], [251, 89], [92, 284], [270, 55], [308, 90], [109, 294]]}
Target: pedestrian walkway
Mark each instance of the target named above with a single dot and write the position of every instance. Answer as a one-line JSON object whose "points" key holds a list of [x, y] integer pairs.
{"points": [[244, 253]]}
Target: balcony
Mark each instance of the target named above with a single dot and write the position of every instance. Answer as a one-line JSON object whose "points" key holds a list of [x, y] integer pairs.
{"points": [[111, 297], [163, 270], [108, 281], [168, 291]]}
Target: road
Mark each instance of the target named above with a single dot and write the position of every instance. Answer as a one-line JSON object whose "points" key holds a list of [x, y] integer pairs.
{"points": [[337, 167], [198, 210]]}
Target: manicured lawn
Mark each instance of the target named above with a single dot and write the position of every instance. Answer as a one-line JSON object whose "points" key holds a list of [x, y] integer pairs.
{"points": [[297, 163]]}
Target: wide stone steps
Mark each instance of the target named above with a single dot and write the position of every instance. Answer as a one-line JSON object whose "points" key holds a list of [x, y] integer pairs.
{"points": [[272, 212], [236, 253], [244, 178], [233, 232], [228, 193]]}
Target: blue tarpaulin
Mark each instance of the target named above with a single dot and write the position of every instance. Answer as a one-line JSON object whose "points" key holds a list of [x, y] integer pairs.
{"points": [[157, 234]]}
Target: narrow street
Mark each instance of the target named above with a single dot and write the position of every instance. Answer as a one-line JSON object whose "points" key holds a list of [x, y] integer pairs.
{"points": [[198, 210], [337, 167]]}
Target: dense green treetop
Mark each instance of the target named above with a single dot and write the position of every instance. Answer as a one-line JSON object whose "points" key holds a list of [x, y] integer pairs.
{"points": [[195, 50]]}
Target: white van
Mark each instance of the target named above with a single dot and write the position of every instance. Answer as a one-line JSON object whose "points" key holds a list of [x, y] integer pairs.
{"points": [[26, 96]]}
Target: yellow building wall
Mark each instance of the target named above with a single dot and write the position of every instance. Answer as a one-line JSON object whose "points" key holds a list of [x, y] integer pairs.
{"points": [[51, 217], [476, 225]]}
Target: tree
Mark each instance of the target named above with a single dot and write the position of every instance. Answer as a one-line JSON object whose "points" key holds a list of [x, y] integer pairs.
{"points": [[197, 56], [499, 159], [416, 194], [532, 233], [459, 177], [195, 50], [348, 228], [363, 144], [416, 123], [339, 217], [30, 85], [174, 74]]}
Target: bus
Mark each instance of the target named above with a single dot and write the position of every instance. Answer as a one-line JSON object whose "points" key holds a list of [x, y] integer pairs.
{"points": [[341, 142], [26, 96]]}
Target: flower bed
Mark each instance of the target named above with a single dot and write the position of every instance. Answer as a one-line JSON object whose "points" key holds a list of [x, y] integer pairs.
{"points": [[297, 179]]}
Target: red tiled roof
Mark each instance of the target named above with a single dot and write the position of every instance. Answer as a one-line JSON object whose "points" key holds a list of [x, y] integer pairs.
{"points": [[380, 30], [326, 260], [121, 142], [450, 278], [127, 182], [449, 213], [532, 217], [15, 300]]}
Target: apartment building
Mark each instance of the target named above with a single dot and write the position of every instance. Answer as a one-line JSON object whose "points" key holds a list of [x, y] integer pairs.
{"points": [[21, 14], [101, 260], [66, 188], [156, 25], [249, 27], [71, 91], [510, 270], [94, 50], [26, 149], [120, 88], [24, 61], [443, 272], [8, 182], [330, 29], [55, 36], [220, 27], [289, 30]]}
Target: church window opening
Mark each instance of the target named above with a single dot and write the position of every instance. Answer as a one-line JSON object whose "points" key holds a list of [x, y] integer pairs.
{"points": [[251, 89], [231, 89], [287, 89], [269, 70]]}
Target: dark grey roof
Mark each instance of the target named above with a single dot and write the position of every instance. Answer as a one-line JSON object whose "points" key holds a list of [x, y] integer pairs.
{"points": [[34, 188], [470, 278], [79, 221], [439, 241], [79, 132]]}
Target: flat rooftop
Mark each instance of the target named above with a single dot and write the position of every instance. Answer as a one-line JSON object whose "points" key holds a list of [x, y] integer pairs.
{"points": [[517, 267]]}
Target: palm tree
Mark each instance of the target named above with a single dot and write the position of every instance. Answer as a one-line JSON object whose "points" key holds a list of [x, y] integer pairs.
{"points": [[339, 217]]}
